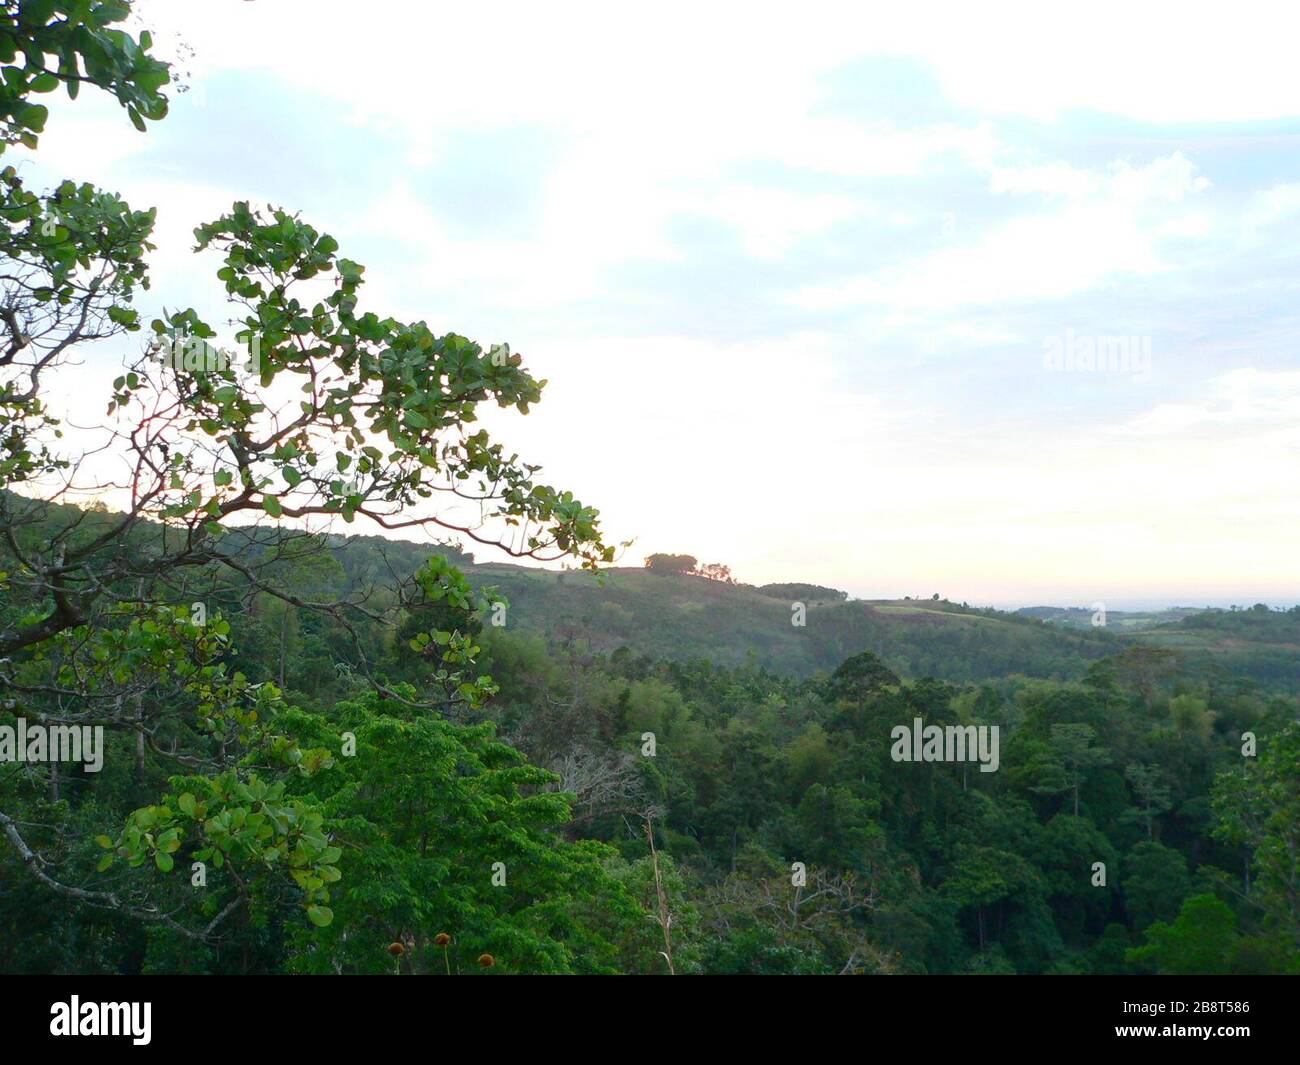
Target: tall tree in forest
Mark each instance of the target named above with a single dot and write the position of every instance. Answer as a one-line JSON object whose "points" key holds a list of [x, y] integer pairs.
{"points": [[1258, 806]]}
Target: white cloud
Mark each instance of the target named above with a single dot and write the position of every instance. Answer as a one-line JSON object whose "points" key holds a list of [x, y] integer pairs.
{"points": [[1107, 227], [769, 220], [1269, 207], [1246, 398], [754, 64], [1169, 179], [1036, 258]]}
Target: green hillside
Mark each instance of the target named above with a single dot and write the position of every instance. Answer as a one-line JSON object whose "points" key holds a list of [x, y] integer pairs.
{"points": [[1259, 643], [683, 617], [680, 617]]}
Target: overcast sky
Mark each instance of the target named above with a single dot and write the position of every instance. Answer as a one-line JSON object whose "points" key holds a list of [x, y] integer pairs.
{"points": [[798, 274]]}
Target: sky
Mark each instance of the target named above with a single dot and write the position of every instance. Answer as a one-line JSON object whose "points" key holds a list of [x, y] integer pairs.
{"points": [[996, 301]]}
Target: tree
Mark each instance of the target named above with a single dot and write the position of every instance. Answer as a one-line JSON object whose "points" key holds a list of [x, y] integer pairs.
{"points": [[764, 924], [1155, 882], [1191, 718], [1258, 806], [71, 44], [1070, 847], [804, 593], [984, 877], [858, 677], [1072, 755], [217, 467], [716, 571], [1152, 795], [1199, 943], [444, 830], [671, 563], [1142, 668]]}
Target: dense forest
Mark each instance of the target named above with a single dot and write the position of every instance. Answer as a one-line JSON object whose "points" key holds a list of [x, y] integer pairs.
{"points": [[384, 754], [647, 812]]}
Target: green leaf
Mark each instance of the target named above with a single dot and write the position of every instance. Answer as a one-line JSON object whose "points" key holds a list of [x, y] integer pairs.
{"points": [[320, 915], [34, 116], [272, 506]]}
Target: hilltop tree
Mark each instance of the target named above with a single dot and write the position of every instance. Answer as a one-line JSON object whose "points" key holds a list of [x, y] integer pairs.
{"points": [[662, 563], [716, 571], [806, 593]]}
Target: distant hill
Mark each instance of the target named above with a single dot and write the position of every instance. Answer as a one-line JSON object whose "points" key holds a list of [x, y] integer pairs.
{"points": [[682, 617], [1259, 643], [685, 617], [1123, 621]]}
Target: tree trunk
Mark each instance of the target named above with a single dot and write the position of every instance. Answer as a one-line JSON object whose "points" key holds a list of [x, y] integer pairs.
{"points": [[284, 639], [139, 736]]}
